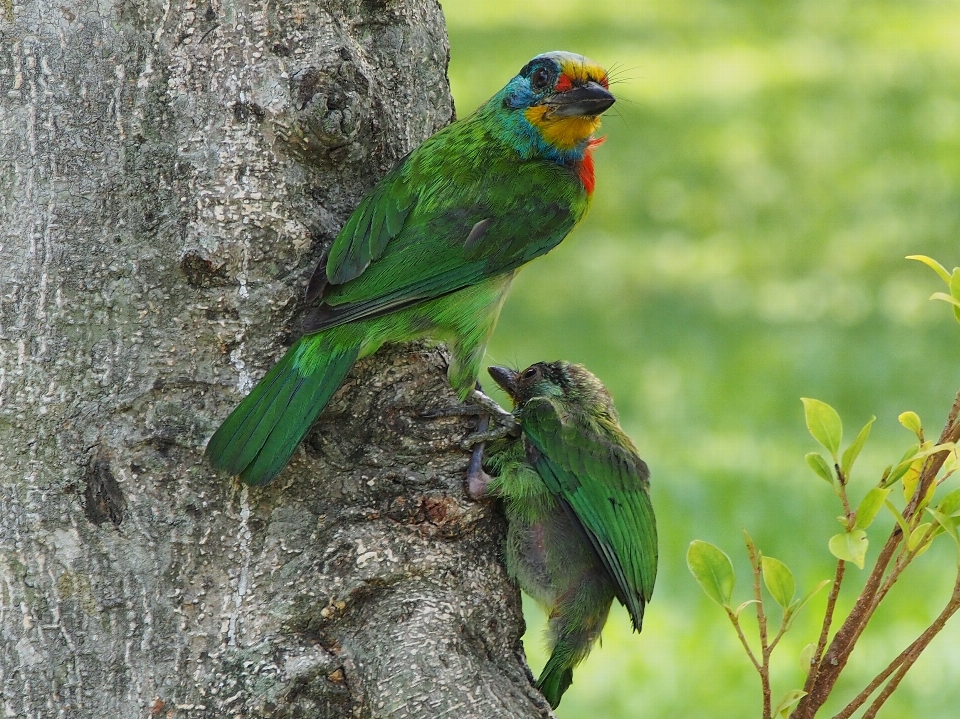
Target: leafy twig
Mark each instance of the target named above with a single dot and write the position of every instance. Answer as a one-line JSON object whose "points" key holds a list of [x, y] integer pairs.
{"points": [[764, 667], [830, 666]]}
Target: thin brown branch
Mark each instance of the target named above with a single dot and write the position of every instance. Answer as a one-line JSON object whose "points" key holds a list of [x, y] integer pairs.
{"points": [[842, 493], [780, 633], [743, 640], [933, 463], [814, 669], [871, 687], [833, 662], [906, 659], [762, 624], [906, 556]]}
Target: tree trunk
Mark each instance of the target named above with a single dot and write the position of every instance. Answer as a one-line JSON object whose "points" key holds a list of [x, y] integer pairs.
{"points": [[169, 171]]}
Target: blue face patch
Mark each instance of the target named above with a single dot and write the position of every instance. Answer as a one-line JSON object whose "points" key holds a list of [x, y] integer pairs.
{"points": [[536, 80]]}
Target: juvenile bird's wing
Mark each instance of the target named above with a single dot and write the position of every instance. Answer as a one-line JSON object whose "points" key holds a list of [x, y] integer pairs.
{"points": [[403, 246], [605, 485]]}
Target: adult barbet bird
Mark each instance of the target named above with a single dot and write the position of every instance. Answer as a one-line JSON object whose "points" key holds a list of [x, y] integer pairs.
{"points": [[431, 251], [581, 528]]}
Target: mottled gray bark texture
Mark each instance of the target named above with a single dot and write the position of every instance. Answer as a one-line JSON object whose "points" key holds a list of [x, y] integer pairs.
{"points": [[169, 172]]}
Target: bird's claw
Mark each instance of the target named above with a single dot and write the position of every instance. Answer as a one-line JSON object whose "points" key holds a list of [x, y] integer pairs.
{"points": [[487, 409], [482, 405], [506, 423], [488, 435], [487, 404]]}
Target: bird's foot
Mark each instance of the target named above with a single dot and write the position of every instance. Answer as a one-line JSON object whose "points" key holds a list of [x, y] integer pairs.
{"points": [[505, 422], [477, 479], [483, 406], [486, 409], [460, 410]]}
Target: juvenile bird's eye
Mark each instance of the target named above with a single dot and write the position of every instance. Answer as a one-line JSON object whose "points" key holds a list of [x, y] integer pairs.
{"points": [[540, 79], [530, 373]]}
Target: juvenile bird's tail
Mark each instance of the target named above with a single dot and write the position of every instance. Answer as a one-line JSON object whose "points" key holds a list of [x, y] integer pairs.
{"points": [[556, 677], [261, 434], [576, 620]]}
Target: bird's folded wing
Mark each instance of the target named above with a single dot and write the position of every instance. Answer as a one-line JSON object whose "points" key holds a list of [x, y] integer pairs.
{"points": [[605, 485], [374, 267]]}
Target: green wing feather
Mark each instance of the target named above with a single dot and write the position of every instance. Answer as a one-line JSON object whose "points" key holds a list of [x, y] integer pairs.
{"points": [[400, 248], [605, 485], [378, 218]]}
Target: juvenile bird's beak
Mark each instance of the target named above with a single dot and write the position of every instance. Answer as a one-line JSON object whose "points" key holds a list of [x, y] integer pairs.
{"points": [[506, 378], [584, 101]]}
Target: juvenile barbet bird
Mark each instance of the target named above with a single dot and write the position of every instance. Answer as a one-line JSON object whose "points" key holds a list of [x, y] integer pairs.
{"points": [[431, 251], [581, 528]]}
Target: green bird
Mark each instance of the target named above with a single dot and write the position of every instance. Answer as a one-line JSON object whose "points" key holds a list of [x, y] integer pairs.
{"points": [[431, 251], [581, 528]]}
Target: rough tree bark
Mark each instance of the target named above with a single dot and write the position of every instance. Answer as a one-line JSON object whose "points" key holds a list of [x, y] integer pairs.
{"points": [[169, 171]]}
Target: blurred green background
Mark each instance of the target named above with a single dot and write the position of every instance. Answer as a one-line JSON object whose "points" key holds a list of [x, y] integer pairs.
{"points": [[767, 167]]}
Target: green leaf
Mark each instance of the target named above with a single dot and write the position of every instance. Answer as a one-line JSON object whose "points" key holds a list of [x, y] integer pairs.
{"points": [[955, 290], [920, 538], [819, 465], [743, 606], [946, 298], [932, 264], [787, 701], [850, 546], [806, 656], [911, 420], [899, 517], [914, 453], [898, 470], [824, 424], [950, 505], [947, 523], [779, 580], [914, 465], [910, 479], [712, 569], [853, 451], [869, 506], [799, 604], [950, 464], [930, 448]]}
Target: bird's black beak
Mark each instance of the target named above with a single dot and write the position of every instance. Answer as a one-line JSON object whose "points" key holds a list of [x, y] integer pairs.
{"points": [[506, 378], [584, 101]]}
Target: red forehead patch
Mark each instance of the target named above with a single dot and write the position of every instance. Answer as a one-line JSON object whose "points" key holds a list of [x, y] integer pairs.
{"points": [[565, 83]]}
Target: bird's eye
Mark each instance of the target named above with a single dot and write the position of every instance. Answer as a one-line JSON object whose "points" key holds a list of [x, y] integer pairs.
{"points": [[530, 373], [540, 79]]}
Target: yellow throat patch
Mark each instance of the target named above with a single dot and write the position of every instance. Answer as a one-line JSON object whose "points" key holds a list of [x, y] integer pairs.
{"points": [[566, 133], [562, 132]]}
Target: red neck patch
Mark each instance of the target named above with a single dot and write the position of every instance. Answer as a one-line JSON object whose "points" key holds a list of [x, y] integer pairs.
{"points": [[585, 167]]}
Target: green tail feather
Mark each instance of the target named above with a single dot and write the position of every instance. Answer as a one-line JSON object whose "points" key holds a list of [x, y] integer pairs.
{"points": [[556, 677], [258, 438]]}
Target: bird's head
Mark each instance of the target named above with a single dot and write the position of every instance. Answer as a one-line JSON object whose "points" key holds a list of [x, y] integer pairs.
{"points": [[570, 384], [555, 103]]}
